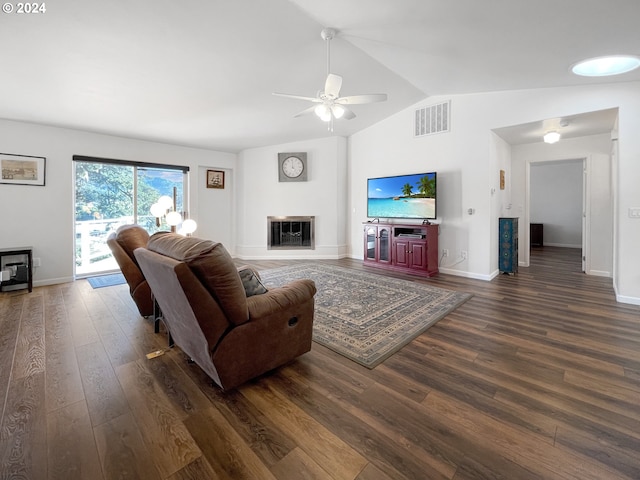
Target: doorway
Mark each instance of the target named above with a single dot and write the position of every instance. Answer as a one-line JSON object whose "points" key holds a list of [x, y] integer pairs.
{"points": [[558, 205], [586, 137]]}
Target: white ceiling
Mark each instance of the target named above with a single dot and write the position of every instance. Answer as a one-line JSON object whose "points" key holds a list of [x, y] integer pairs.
{"points": [[570, 126], [201, 73]]}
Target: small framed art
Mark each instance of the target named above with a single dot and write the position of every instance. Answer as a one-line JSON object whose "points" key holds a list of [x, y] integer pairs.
{"points": [[22, 169], [215, 179]]}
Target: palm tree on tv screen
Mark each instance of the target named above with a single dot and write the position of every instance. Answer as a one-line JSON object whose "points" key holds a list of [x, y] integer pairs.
{"points": [[427, 186], [406, 189]]}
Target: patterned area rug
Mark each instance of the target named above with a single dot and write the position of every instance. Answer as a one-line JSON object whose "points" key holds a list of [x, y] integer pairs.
{"points": [[365, 316], [106, 280]]}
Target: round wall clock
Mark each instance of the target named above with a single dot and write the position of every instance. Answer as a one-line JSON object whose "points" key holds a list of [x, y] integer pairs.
{"points": [[292, 167]]}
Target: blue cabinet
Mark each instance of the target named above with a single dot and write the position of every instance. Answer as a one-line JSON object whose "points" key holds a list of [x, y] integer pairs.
{"points": [[508, 255]]}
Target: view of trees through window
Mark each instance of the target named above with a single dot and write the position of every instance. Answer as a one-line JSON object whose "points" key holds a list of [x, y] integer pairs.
{"points": [[108, 195]]}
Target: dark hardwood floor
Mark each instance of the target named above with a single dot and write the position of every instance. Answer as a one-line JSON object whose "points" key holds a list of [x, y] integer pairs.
{"points": [[536, 377]]}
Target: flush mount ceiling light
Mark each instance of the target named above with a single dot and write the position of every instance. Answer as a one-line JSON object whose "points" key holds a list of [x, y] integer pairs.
{"points": [[605, 66], [551, 137]]}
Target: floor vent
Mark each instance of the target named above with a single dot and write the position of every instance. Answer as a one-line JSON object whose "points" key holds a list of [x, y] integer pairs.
{"points": [[433, 119]]}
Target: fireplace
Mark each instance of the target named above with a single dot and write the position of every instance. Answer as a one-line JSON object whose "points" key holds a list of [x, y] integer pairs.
{"points": [[290, 233]]}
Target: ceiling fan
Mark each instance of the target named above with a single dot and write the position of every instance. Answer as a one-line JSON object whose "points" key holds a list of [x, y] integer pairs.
{"points": [[329, 105]]}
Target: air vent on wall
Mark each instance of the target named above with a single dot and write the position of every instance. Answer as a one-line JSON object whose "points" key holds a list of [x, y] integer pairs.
{"points": [[432, 119]]}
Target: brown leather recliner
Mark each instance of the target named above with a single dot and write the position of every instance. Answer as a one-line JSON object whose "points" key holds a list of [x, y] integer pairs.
{"points": [[122, 243], [231, 336]]}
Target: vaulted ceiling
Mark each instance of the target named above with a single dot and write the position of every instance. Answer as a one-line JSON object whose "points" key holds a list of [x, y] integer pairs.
{"points": [[201, 73]]}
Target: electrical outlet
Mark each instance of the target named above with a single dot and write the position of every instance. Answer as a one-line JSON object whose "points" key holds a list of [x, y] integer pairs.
{"points": [[463, 254], [445, 252]]}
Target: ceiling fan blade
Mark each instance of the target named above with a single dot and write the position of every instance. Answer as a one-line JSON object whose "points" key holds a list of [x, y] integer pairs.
{"points": [[360, 99], [333, 85], [298, 97], [306, 111]]}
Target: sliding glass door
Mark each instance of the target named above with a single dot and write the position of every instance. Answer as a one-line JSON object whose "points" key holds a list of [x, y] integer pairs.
{"points": [[112, 193]]}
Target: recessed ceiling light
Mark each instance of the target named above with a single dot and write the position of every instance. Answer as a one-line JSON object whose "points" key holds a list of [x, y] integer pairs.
{"points": [[604, 66], [551, 137]]}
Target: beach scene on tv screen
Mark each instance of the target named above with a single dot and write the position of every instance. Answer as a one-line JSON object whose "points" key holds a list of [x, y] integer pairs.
{"points": [[405, 196]]}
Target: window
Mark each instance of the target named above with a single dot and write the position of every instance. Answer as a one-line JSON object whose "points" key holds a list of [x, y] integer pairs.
{"points": [[110, 193]]}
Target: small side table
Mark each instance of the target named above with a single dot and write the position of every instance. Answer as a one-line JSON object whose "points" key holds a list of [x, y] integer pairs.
{"points": [[536, 234], [18, 271]]}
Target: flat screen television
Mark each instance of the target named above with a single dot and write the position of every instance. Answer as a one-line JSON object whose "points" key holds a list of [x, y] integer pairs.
{"points": [[403, 196]]}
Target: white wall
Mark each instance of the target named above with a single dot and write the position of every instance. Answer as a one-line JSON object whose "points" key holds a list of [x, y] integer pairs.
{"points": [[500, 155], [556, 201], [467, 160], [217, 208], [323, 195], [464, 180], [43, 217]]}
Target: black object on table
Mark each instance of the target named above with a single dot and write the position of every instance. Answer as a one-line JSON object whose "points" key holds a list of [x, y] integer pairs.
{"points": [[19, 273]]}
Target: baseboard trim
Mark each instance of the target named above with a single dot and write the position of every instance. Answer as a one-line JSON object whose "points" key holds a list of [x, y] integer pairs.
{"points": [[629, 300], [320, 252], [561, 245], [461, 273], [599, 273], [52, 281]]}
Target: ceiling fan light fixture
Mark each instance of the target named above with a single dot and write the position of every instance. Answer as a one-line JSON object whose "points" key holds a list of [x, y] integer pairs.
{"points": [[337, 110], [323, 112], [606, 66], [551, 137]]}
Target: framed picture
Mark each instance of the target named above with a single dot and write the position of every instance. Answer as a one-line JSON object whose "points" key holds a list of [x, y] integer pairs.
{"points": [[215, 179], [22, 169], [501, 179]]}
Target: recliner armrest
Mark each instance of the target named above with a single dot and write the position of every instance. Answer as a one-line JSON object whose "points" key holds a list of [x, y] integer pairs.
{"points": [[128, 266], [281, 298]]}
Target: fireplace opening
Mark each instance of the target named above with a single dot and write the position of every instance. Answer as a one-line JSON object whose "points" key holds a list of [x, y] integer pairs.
{"points": [[290, 233]]}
